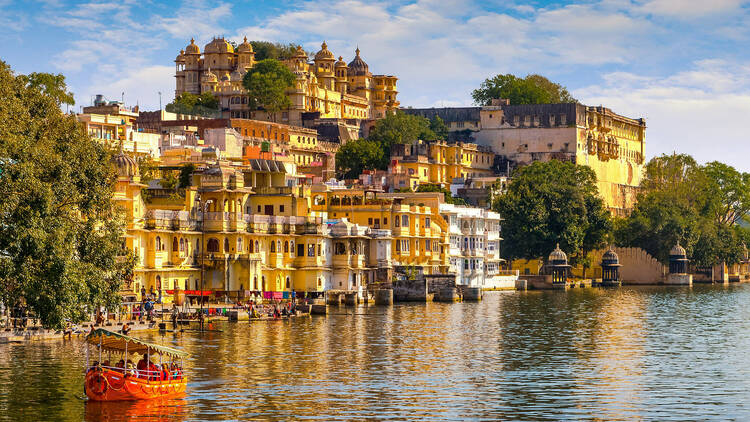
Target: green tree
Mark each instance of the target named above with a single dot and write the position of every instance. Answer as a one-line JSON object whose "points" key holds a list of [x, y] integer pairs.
{"points": [[699, 206], [549, 203], [51, 85], [272, 50], [204, 104], [186, 176], [533, 89], [449, 198], [400, 128], [438, 127], [266, 84], [61, 246], [355, 156]]}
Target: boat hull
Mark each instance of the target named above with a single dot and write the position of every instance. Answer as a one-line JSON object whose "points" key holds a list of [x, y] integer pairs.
{"points": [[109, 385]]}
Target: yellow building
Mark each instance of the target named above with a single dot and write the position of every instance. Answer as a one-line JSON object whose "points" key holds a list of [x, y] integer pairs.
{"points": [[438, 163], [240, 232], [325, 86], [114, 124], [419, 232]]}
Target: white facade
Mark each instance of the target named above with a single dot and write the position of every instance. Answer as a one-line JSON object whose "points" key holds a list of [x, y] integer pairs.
{"points": [[474, 239]]}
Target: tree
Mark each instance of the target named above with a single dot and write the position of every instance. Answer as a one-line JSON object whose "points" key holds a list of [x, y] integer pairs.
{"points": [[533, 89], [266, 84], [438, 127], [186, 176], [400, 128], [549, 203], [449, 198], [204, 104], [51, 85], [699, 206], [355, 156], [272, 50], [61, 246]]}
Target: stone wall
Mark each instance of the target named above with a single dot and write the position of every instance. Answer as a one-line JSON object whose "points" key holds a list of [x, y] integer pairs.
{"points": [[638, 267], [437, 282]]}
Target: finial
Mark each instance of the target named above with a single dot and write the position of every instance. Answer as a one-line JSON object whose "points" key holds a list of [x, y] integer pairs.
{"points": [[245, 40], [192, 40], [341, 58], [324, 45], [357, 50]]}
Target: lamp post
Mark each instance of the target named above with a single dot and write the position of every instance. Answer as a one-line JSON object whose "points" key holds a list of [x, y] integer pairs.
{"points": [[159, 100], [203, 252]]}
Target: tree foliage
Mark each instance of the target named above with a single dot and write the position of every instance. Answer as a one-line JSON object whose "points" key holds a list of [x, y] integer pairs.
{"points": [[51, 85], [438, 127], [549, 203], [449, 198], [272, 50], [204, 104], [355, 156], [266, 84], [533, 89], [400, 128], [61, 248], [699, 206]]}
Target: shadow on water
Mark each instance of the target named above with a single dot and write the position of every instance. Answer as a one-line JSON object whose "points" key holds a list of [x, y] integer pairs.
{"points": [[649, 353]]}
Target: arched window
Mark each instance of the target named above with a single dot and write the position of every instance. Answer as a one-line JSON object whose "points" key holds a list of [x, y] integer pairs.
{"points": [[158, 282], [239, 245], [286, 246], [174, 244], [226, 245], [158, 243], [278, 246], [255, 283], [291, 247], [251, 246], [257, 249], [288, 283], [273, 246], [182, 245], [213, 245], [263, 282]]}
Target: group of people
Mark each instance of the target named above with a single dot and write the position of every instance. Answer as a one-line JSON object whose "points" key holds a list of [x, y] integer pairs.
{"points": [[144, 369], [276, 311]]}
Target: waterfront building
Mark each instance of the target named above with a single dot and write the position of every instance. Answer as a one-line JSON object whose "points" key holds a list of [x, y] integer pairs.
{"points": [[327, 87], [244, 232], [610, 144], [474, 247], [438, 162]]}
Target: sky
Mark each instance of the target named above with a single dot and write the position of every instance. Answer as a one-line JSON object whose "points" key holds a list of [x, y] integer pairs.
{"points": [[683, 65]]}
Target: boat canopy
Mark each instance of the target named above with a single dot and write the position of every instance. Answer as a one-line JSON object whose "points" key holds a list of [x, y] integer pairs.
{"points": [[111, 341]]}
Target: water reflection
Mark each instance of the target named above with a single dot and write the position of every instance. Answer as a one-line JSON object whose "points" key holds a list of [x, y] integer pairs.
{"points": [[629, 353]]}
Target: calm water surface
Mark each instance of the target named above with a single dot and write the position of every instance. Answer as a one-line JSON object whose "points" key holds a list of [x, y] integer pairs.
{"points": [[626, 354]]}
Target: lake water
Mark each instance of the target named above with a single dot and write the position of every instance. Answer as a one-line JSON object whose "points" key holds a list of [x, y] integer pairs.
{"points": [[623, 354]]}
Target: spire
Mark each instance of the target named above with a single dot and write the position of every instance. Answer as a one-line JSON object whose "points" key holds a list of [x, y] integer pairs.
{"points": [[357, 50]]}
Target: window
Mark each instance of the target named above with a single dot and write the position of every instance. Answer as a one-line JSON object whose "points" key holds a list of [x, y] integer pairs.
{"points": [[257, 249], [182, 245], [158, 243], [281, 208], [291, 247], [427, 245], [258, 209], [300, 249], [319, 250], [226, 245], [385, 221], [397, 223], [310, 249], [405, 220], [339, 248], [369, 221], [427, 222], [273, 246], [213, 245], [288, 284], [286, 246], [239, 244], [377, 222]]}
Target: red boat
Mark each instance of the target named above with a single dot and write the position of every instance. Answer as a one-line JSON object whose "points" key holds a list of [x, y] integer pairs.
{"points": [[124, 380]]}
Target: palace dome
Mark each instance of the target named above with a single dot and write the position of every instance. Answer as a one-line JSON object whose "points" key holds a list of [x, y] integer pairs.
{"points": [[209, 76], [180, 57], [358, 67], [678, 250], [324, 53], [125, 165], [557, 255], [245, 47], [300, 53], [218, 46], [610, 257], [192, 48], [340, 62]]}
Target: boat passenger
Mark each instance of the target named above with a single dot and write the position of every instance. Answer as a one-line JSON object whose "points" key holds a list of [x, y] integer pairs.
{"points": [[125, 328], [106, 364], [94, 366], [121, 366], [130, 368]]}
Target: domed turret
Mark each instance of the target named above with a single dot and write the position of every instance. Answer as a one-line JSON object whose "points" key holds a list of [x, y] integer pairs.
{"points": [[340, 62], [245, 47], [218, 46], [125, 166], [192, 48], [324, 53], [180, 57], [678, 250], [557, 256], [358, 67], [209, 76], [610, 257], [610, 268]]}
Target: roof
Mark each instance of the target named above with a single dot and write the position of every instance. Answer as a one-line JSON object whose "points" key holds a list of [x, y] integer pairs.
{"points": [[267, 165], [111, 341], [448, 114]]}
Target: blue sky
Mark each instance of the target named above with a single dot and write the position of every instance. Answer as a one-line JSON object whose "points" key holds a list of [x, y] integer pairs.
{"points": [[683, 65]]}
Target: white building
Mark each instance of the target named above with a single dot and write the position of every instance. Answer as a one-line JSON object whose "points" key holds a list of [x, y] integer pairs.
{"points": [[474, 242]]}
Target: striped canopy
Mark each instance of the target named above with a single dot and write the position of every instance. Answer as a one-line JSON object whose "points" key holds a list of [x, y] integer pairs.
{"points": [[111, 341]]}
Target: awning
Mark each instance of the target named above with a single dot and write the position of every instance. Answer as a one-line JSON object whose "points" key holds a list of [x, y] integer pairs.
{"points": [[111, 341]]}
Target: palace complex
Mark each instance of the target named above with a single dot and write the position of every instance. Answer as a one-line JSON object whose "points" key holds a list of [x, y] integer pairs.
{"points": [[325, 88], [611, 144]]}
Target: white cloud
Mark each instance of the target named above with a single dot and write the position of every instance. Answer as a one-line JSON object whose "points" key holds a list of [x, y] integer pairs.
{"points": [[195, 19], [141, 86], [701, 111], [690, 9]]}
